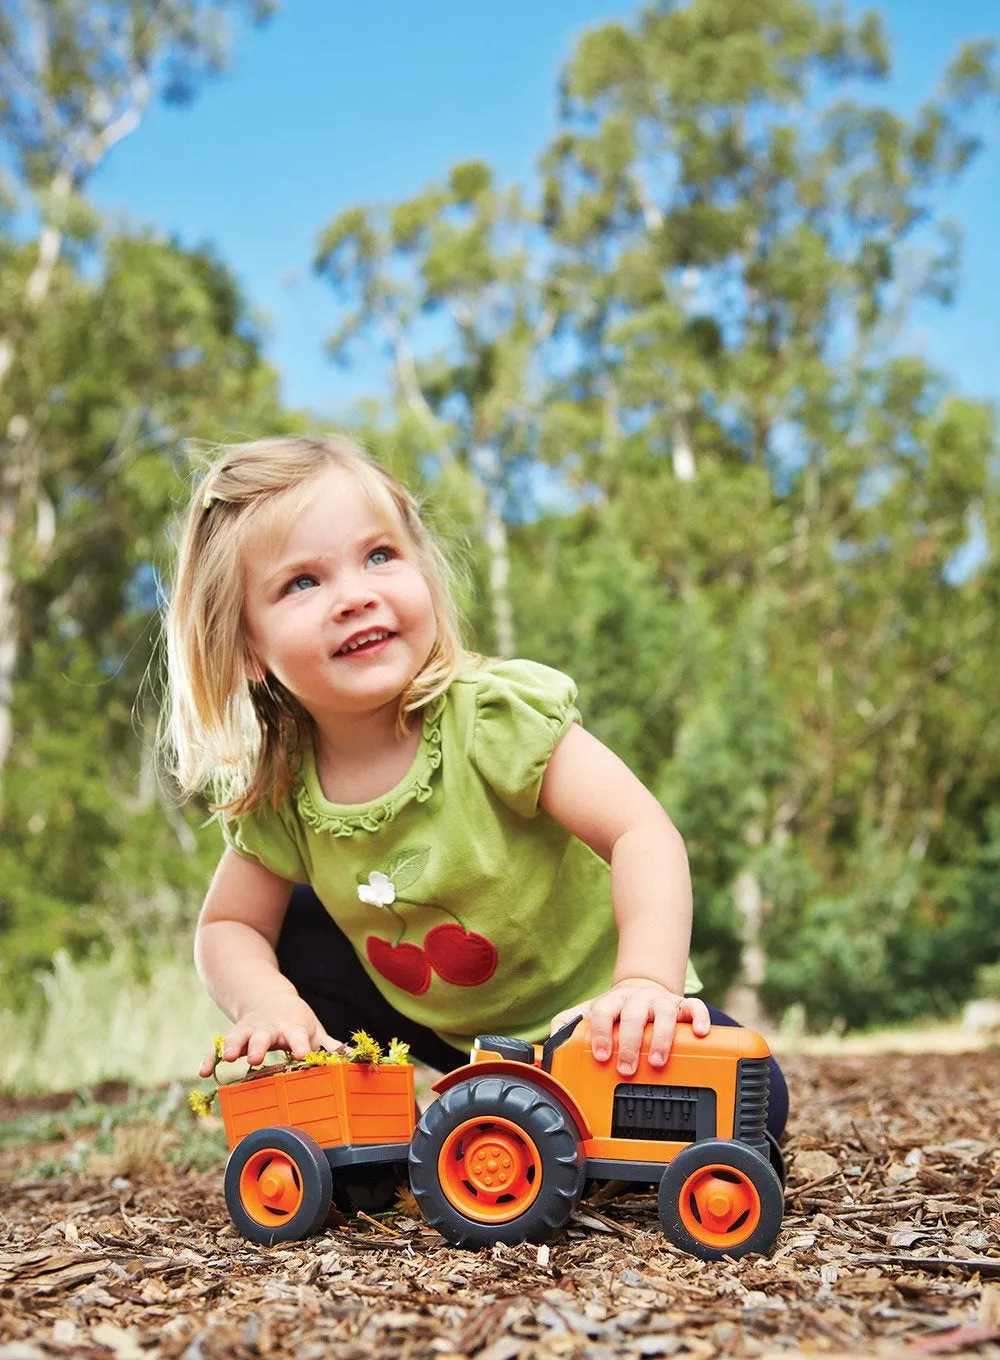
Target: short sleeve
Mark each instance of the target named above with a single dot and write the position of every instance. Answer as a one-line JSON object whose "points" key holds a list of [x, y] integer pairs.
{"points": [[523, 710], [264, 835]]}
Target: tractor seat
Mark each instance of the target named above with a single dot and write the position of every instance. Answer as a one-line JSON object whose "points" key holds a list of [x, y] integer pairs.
{"points": [[517, 1050]]}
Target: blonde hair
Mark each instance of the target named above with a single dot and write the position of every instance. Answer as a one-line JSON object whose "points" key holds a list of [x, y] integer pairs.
{"points": [[221, 729]]}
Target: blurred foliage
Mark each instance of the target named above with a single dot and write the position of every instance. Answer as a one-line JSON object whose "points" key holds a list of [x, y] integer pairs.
{"points": [[158, 347], [663, 408], [146, 1132]]}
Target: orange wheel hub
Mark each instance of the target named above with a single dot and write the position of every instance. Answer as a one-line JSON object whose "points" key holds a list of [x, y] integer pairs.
{"points": [[719, 1206], [490, 1170], [270, 1187]]}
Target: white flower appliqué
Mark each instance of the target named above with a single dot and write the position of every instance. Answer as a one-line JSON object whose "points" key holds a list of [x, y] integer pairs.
{"points": [[378, 891]]}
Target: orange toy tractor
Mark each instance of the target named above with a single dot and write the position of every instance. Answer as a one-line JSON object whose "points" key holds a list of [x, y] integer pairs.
{"points": [[504, 1153]]}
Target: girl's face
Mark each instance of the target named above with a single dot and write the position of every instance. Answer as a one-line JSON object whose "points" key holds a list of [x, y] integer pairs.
{"points": [[339, 612]]}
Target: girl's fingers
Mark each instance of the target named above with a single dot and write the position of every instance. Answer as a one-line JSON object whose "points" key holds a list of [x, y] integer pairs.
{"points": [[603, 1014], [260, 1043], [233, 1047], [297, 1040], [696, 1012], [632, 1026], [665, 1019], [236, 1043]]}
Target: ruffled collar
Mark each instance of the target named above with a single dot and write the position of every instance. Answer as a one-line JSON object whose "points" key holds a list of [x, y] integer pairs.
{"points": [[343, 819]]}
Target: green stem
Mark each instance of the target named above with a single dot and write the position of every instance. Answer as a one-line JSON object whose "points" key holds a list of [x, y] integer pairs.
{"points": [[402, 925], [434, 907]]}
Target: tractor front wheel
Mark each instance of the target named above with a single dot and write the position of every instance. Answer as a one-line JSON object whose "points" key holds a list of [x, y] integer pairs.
{"points": [[720, 1198]]}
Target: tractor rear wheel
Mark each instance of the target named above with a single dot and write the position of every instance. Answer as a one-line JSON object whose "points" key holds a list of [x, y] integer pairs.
{"points": [[496, 1159]]}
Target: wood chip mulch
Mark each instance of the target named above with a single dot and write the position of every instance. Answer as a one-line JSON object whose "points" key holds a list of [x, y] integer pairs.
{"points": [[890, 1247]]}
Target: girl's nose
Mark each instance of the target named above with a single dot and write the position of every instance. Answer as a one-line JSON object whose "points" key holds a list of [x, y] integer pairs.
{"points": [[353, 597]]}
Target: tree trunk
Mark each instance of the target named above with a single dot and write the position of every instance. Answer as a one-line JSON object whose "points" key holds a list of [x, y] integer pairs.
{"points": [[743, 998], [8, 618], [682, 454], [486, 465]]}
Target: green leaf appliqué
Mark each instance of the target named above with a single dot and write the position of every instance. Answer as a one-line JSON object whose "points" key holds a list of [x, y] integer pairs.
{"points": [[405, 869], [408, 865]]}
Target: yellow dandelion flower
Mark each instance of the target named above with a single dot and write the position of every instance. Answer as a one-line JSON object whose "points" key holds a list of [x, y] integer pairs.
{"points": [[366, 1050], [219, 1044], [201, 1101], [399, 1053], [319, 1057]]}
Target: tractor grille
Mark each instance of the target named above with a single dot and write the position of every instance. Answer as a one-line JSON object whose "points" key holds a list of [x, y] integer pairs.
{"points": [[753, 1083], [676, 1114]]}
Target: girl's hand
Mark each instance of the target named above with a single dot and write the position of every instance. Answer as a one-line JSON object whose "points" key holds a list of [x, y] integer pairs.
{"points": [[634, 1002], [282, 1022]]}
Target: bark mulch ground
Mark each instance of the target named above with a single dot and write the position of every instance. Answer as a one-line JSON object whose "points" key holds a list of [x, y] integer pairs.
{"points": [[890, 1247]]}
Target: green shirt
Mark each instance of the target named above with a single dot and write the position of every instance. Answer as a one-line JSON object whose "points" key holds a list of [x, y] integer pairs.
{"points": [[483, 913]]}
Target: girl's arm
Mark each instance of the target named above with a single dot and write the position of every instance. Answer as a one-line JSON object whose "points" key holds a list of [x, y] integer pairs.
{"points": [[597, 798], [234, 951]]}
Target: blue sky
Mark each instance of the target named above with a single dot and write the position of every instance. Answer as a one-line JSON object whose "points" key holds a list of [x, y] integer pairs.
{"points": [[336, 102]]}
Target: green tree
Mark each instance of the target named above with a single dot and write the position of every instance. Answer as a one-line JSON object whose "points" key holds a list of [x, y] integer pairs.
{"points": [[75, 78], [448, 283], [158, 348], [740, 243]]}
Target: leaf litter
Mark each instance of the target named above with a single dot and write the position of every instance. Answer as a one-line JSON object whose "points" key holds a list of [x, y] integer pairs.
{"points": [[890, 1247]]}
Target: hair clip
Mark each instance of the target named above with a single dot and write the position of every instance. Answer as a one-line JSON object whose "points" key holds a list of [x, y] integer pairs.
{"points": [[207, 500]]}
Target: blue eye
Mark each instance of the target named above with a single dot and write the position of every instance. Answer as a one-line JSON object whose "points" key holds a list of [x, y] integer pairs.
{"points": [[293, 585], [384, 554]]}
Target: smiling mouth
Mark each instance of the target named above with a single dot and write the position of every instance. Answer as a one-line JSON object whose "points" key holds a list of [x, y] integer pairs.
{"points": [[367, 642]]}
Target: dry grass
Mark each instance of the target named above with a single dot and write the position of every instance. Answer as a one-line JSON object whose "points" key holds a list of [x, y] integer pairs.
{"points": [[103, 1020]]}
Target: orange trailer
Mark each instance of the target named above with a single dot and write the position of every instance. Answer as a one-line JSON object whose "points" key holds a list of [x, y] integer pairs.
{"points": [[304, 1139]]}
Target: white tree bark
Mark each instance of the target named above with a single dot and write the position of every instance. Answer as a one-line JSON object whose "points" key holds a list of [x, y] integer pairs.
{"points": [[743, 998], [8, 619], [682, 453], [486, 473], [486, 466]]}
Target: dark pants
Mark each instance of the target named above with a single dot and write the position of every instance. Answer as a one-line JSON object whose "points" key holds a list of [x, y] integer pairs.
{"points": [[317, 957]]}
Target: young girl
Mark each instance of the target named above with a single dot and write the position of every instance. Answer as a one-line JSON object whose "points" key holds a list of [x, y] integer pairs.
{"points": [[450, 823]]}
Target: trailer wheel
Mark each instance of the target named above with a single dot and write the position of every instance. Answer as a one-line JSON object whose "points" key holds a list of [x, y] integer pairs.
{"points": [[496, 1160], [279, 1186], [720, 1198]]}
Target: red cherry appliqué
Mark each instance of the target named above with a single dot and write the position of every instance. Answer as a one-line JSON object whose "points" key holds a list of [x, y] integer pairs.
{"points": [[462, 957], [404, 965]]}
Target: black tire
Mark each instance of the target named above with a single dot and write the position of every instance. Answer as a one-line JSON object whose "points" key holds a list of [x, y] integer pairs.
{"points": [[304, 1165], [777, 1158], [739, 1166], [370, 1189], [554, 1176]]}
